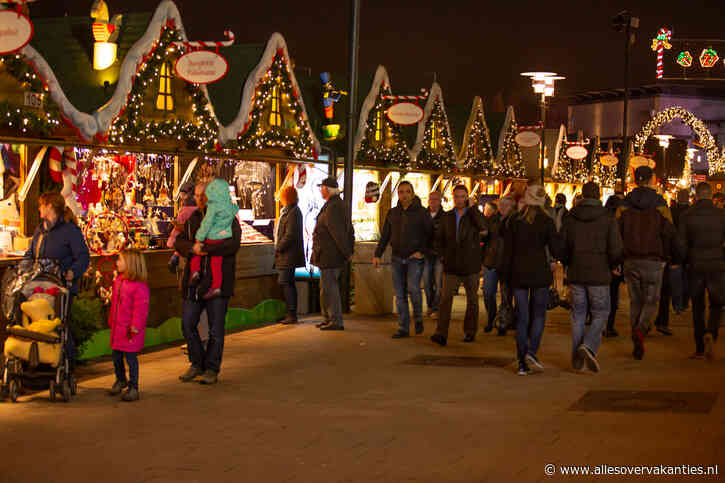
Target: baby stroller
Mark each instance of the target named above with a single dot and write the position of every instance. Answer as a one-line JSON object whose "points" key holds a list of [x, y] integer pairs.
{"points": [[36, 303]]}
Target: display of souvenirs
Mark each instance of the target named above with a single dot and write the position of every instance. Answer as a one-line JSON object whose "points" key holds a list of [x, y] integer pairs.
{"points": [[364, 215], [106, 233]]}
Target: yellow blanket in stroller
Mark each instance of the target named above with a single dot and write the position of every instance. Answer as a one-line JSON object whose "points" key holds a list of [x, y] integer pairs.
{"points": [[38, 317]]}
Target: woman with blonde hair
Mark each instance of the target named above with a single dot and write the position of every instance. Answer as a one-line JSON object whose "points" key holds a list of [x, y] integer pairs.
{"points": [[528, 271], [289, 251]]}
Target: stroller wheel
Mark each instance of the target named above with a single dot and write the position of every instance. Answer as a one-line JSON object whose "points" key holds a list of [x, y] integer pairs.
{"points": [[66, 391], [73, 385], [52, 390], [13, 390]]}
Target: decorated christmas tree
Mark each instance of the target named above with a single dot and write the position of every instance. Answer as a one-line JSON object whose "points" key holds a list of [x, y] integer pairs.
{"points": [[435, 150], [476, 151], [383, 143], [606, 176], [510, 162]]}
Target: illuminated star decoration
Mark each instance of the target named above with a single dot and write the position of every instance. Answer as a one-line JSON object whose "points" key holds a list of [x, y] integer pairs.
{"points": [[659, 44]]}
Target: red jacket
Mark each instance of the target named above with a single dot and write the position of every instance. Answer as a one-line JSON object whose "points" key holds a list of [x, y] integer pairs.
{"points": [[129, 308]]}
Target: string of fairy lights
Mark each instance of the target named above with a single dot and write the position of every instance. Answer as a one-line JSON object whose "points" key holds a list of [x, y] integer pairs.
{"points": [[384, 146], [570, 170], [42, 121], [478, 158], [437, 152], [290, 133], [512, 164], [131, 127], [606, 176]]}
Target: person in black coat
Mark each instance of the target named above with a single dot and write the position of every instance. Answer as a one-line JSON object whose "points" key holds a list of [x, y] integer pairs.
{"points": [[613, 203], [205, 362], [333, 244], [528, 270], [408, 228], [289, 252], [433, 270], [702, 237], [459, 243]]}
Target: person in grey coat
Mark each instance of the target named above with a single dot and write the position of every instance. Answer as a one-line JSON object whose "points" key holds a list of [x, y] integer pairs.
{"points": [[333, 243], [289, 251]]}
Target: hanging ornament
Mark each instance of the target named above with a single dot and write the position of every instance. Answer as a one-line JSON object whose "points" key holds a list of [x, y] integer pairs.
{"points": [[685, 59], [708, 58], [659, 44]]}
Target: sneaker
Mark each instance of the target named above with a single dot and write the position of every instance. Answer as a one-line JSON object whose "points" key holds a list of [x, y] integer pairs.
{"points": [[664, 330], [439, 339], [191, 373], [698, 356], [289, 320], [209, 377], [131, 394], [322, 324], [532, 361], [117, 387], [588, 356], [709, 347], [332, 327], [400, 335], [638, 339], [523, 369], [434, 316]]}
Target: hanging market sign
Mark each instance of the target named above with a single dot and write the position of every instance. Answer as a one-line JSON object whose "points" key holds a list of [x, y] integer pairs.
{"points": [[372, 192], [405, 113], [16, 30], [638, 161], [527, 139], [577, 152], [201, 67], [609, 160]]}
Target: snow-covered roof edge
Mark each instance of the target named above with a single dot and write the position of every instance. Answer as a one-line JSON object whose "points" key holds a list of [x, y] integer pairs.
{"points": [[381, 80], [83, 122], [475, 109], [165, 13], [435, 94], [237, 126], [510, 118], [559, 142]]}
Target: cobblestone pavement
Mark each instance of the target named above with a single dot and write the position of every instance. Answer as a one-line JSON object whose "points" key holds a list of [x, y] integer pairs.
{"points": [[297, 405]]}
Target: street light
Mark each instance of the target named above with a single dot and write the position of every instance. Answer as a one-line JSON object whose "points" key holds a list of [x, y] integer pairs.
{"points": [[664, 140], [543, 84]]}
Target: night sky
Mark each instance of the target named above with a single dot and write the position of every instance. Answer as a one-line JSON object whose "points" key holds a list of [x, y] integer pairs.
{"points": [[474, 48]]}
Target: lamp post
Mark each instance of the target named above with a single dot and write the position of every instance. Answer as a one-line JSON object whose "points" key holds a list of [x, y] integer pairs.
{"points": [[664, 140], [543, 85]]}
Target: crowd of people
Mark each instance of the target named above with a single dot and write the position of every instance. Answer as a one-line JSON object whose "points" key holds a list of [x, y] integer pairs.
{"points": [[517, 246]]}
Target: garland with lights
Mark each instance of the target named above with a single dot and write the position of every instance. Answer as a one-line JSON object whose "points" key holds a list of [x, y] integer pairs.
{"points": [[716, 162], [478, 157], [512, 164], [130, 126], [294, 135], [43, 121], [391, 150], [570, 170], [442, 156], [606, 176]]}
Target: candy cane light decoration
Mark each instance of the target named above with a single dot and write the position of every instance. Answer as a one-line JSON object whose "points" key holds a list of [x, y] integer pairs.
{"points": [[659, 44]]}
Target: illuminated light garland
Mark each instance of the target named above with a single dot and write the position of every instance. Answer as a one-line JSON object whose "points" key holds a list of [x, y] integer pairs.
{"points": [[478, 156], [443, 156], [606, 176], [708, 58], [716, 162], [295, 136], [27, 120], [685, 59], [570, 170], [392, 150], [512, 164], [130, 127]]}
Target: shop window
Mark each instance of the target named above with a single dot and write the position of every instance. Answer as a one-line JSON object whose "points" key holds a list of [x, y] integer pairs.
{"points": [[275, 117], [433, 136], [165, 97], [379, 126]]}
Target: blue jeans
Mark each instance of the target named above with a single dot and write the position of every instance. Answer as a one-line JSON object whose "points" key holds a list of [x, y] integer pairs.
{"points": [[209, 359], [406, 279], [433, 281], [585, 299], [490, 287], [530, 326], [120, 369], [289, 289]]}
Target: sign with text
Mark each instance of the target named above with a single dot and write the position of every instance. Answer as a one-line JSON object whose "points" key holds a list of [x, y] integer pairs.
{"points": [[527, 139], [577, 152], [609, 160], [405, 113], [201, 67], [16, 30]]}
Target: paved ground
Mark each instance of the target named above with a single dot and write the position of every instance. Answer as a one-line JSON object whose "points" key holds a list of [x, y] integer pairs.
{"points": [[297, 405]]}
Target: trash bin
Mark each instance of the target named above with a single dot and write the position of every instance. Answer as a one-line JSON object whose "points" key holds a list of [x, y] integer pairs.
{"points": [[374, 291]]}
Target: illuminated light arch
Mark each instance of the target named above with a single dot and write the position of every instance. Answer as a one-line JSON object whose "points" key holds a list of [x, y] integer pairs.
{"points": [[716, 163]]}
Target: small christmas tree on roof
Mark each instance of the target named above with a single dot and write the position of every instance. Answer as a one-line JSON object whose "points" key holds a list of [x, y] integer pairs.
{"points": [[476, 151]]}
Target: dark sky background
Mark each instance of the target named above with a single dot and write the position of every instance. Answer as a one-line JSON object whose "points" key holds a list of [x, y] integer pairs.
{"points": [[475, 48]]}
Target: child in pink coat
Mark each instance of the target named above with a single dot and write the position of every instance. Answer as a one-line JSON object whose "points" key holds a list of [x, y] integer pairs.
{"points": [[127, 320]]}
